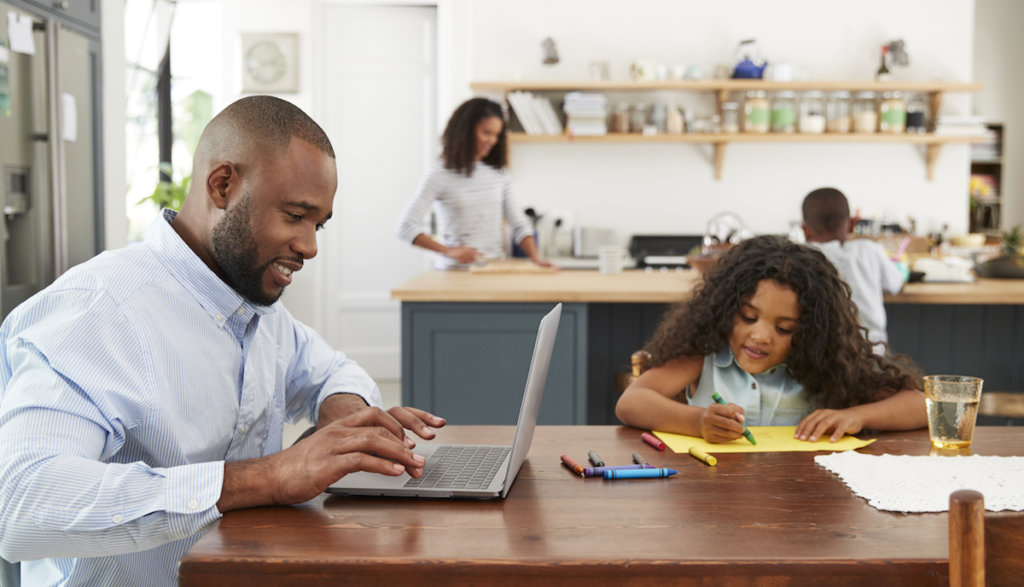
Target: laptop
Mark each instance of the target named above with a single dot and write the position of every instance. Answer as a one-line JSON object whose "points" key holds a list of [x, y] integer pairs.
{"points": [[470, 471]]}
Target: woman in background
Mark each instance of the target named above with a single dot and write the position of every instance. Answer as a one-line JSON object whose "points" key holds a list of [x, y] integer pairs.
{"points": [[470, 192]]}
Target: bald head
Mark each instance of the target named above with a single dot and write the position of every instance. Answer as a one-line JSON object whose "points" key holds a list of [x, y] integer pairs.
{"points": [[827, 214], [256, 126]]}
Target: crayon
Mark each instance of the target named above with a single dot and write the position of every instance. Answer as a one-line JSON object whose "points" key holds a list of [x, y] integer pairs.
{"points": [[638, 473], [746, 432], [599, 471], [703, 456], [638, 459], [595, 459], [573, 465], [653, 441]]}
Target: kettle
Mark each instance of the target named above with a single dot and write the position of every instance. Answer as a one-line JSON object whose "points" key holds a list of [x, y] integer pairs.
{"points": [[749, 62]]}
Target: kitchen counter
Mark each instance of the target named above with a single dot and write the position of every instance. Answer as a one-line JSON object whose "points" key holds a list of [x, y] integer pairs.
{"points": [[467, 337], [639, 286]]}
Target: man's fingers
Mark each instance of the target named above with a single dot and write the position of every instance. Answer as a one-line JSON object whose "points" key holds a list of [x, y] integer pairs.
{"points": [[371, 417], [417, 420]]}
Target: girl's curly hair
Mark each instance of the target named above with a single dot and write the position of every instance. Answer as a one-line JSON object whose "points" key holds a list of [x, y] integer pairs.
{"points": [[459, 139], [831, 354]]}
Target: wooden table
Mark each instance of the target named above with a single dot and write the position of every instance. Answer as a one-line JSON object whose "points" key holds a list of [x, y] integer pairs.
{"points": [[759, 518]]}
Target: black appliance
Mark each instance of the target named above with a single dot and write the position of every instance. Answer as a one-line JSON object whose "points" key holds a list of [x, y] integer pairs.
{"points": [[663, 250]]}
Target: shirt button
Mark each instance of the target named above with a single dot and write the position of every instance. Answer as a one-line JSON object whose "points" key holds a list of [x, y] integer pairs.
{"points": [[753, 386], [241, 311], [193, 504], [219, 318], [117, 518], [242, 428]]}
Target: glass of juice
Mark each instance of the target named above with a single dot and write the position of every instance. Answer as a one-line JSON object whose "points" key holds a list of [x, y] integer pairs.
{"points": [[952, 409]]}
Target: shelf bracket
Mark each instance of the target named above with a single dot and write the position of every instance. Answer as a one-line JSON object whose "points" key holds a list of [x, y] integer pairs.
{"points": [[719, 159], [935, 104], [931, 155]]}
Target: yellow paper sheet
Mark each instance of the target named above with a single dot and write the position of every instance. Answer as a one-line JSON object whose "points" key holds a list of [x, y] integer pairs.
{"points": [[769, 439]]}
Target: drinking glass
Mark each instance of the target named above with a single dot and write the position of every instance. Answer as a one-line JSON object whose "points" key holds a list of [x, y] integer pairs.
{"points": [[952, 409]]}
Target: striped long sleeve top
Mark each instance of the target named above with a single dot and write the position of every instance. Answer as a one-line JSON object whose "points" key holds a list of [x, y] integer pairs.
{"points": [[469, 211], [124, 388]]}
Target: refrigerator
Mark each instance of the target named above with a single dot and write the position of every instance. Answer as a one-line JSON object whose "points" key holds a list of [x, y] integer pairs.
{"points": [[50, 151]]}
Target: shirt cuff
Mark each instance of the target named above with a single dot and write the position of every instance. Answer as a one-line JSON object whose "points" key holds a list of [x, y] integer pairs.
{"points": [[192, 494]]}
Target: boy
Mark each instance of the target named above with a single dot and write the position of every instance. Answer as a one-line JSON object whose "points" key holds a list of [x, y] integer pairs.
{"points": [[861, 263]]}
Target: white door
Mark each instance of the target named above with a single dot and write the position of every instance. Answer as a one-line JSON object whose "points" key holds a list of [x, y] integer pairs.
{"points": [[379, 109]]}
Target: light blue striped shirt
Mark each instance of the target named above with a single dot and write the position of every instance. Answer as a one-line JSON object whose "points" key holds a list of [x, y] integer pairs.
{"points": [[771, 398], [124, 388]]}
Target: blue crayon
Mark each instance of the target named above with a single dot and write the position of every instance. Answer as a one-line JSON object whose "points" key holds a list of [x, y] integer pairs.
{"points": [[599, 471], [638, 473]]}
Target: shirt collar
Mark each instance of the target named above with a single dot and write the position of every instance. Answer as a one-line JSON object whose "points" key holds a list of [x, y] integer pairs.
{"points": [[724, 358], [219, 299]]}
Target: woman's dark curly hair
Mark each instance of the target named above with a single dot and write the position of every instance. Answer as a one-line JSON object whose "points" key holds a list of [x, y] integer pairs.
{"points": [[459, 139], [831, 354]]}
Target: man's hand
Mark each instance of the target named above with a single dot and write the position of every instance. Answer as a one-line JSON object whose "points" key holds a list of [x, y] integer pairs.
{"points": [[342, 405], [368, 440]]}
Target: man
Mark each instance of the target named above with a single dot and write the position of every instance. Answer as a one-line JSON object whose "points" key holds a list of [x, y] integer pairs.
{"points": [[861, 263], [144, 392]]}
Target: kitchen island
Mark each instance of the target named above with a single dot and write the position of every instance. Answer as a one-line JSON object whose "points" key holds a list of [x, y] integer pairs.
{"points": [[467, 337]]}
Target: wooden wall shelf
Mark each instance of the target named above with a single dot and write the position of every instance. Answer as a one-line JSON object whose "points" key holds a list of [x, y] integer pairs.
{"points": [[932, 144]]}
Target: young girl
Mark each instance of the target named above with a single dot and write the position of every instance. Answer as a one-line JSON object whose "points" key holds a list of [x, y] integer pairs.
{"points": [[774, 332], [470, 192]]}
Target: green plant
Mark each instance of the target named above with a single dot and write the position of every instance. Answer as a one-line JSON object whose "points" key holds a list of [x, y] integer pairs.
{"points": [[1011, 242], [168, 194]]}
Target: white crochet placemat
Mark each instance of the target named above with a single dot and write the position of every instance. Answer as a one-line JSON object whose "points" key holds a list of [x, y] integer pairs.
{"points": [[901, 483]]}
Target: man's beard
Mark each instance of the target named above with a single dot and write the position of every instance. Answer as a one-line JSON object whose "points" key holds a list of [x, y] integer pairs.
{"points": [[237, 254]]}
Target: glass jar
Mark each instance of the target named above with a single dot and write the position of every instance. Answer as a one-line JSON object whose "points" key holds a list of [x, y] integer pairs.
{"points": [[756, 112], [917, 112], [812, 113], [837, 112], [784, 112], [730, 117], [638, 119], [892, 113], [865, 114], [659, 114], [620, 118]]}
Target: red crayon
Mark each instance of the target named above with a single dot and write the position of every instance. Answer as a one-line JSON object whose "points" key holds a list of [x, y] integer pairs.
{"points": [[653, 441], [573, 465]]}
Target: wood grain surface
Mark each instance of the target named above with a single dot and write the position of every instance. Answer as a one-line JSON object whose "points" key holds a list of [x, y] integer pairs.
{"points": [[754, 519], [640, 286]]}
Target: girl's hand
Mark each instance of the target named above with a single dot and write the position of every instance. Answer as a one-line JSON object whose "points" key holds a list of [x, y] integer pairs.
{"points": [[464, 255], [821, 422], [722, 423]]}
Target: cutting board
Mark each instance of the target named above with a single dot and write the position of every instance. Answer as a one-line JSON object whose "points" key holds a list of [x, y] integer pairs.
{"points": [[510, 266]]}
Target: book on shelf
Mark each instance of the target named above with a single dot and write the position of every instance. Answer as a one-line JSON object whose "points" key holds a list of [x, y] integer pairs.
{"points": [[586, 114], [960, 125], [535, 113]]}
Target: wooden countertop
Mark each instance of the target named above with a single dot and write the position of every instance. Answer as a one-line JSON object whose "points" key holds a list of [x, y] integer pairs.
{"points": [[639, 286]]}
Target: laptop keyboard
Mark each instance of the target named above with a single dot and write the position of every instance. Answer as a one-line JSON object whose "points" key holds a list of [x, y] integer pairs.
{"points": [[461, 467]]}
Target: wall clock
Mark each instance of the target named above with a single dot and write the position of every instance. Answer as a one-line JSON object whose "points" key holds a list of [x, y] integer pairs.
{"points": [[270, 63]]}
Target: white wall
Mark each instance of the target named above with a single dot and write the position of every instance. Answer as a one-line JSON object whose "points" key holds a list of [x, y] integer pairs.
{"points": [[998, 48], [670, 188], [654, 188]]}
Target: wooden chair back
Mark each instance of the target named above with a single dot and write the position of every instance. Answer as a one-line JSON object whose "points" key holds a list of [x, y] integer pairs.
{"points": [[985, 548]]}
